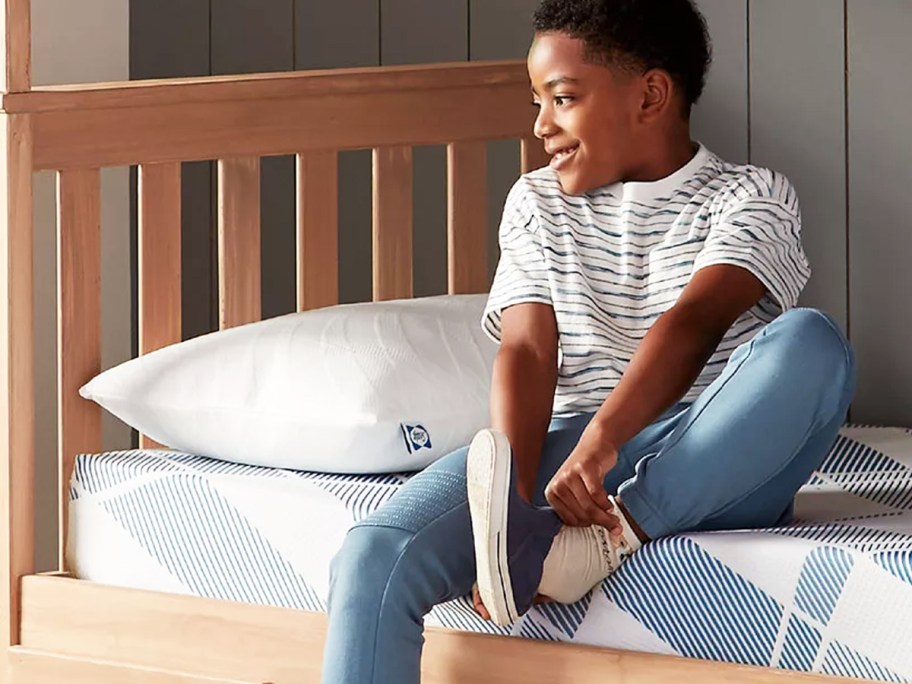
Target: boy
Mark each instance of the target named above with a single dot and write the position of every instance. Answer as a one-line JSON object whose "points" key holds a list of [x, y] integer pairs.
{"points": [[652, 376]]}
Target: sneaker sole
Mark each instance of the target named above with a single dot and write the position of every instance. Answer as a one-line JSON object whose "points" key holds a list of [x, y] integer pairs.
{"points": [[488, 467]]}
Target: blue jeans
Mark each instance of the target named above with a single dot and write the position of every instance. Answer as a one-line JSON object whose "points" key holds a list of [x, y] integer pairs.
{"points": [[732, 459]]}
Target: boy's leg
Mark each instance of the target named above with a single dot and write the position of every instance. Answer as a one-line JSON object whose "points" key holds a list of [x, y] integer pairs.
{"points": [[413, 553], [742, 450]]}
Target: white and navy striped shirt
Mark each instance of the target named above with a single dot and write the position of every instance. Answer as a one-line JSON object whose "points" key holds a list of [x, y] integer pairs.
{"points": [[611, 261]]}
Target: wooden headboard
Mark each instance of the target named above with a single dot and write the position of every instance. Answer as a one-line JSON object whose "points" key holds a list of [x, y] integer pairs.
{"points": [[156, 125]]}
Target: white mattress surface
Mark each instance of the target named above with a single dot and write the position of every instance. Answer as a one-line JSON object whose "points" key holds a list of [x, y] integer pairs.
{"points": [[831, 593]]}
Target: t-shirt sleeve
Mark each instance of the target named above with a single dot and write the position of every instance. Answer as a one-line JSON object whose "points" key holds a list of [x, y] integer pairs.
{"points": [[522, 274], [760, 230]]}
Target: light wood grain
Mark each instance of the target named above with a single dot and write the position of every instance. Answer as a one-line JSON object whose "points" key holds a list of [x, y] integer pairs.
{"points": [[533, 154], [318, 230], [16, 33], [159, 256], [392, 226], [239, 242], [78, 322], [28, 666], [467, 190], [17, 401], [244, 641], [159, 261], [199, 130], [271, 86]]}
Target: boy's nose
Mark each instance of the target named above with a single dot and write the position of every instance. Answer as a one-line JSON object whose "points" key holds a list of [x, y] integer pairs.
{"points": [[544, 124]]}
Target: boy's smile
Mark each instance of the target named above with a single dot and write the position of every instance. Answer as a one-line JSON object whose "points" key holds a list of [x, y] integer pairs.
{"points": [[602, 124]]}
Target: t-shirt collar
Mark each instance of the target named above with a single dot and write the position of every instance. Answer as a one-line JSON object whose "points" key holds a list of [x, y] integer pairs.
{"points": [[665, 187]]}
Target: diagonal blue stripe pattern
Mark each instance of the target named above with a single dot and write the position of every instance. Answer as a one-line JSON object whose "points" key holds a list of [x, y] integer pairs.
{"points": [[844, 662], [675, 588], [823, 576], [180, 520], [802, 642], [695, 603], [566, 618], [868, 473]]}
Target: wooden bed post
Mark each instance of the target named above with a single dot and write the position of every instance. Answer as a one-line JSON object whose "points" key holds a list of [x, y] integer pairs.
{"points": [[16, 33], [17, 442]]}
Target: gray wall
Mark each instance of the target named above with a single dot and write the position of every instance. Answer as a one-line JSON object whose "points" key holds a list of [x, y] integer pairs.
{"points": [[784, 92]]}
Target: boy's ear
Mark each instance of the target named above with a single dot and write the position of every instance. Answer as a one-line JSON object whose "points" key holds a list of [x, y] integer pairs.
{"points": [[658, 94]]}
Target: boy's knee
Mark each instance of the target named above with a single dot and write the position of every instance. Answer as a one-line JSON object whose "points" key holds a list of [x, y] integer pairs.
{"points": [[365, 562], [826, 356]]}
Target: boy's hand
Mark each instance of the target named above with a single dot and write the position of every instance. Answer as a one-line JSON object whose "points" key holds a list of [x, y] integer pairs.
{"points": [[576, 491]]}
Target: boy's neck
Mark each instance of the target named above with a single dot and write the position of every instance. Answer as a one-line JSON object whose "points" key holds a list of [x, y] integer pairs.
{"points": [[667, 153]]}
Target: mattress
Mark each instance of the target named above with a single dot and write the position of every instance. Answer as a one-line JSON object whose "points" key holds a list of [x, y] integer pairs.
{"points": [[831, 593]]}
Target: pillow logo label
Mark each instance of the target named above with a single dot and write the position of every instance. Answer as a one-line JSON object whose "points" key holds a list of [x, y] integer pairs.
{"points": [[416, 437]]}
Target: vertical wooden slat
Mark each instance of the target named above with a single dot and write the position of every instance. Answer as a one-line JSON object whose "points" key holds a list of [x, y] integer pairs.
{"points": [[533, 154], [78, 321], [318, 230], [467, 187], [239, 241], [392, 197], [159, 242], [159, 256], [16, 33], [17, 414]]}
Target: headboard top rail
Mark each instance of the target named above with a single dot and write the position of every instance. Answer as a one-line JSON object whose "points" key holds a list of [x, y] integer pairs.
{"points": [[267, 86]]}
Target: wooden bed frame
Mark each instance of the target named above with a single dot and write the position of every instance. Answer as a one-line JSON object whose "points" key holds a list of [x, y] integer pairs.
{"points": [[56, 628]]}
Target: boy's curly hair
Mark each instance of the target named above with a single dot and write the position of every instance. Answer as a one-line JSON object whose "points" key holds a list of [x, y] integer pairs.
{"points": [[637, 34]]}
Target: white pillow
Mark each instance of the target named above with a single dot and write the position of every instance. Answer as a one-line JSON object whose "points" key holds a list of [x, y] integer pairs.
{"points": [[360, 388]]}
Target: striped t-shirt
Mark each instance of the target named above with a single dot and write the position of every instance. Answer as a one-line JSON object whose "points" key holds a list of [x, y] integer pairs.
{"points": [[614, 259]]}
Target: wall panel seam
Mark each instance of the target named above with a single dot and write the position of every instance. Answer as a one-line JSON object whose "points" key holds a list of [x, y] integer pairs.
{"points": [[848, 233], [747, 33]]}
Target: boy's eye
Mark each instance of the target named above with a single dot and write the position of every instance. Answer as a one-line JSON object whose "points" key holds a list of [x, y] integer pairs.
{"points": [[537, 105], [561, 100]]}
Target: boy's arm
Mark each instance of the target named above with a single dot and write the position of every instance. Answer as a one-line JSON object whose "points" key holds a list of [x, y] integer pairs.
{"points": [[677, 347], [665, 365], [523, 384]]}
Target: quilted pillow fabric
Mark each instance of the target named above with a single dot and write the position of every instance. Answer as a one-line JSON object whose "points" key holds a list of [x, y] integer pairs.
{"points": [[361, 388]]}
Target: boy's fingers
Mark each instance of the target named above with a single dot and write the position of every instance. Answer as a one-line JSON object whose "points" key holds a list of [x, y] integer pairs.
{"points": [[479, 606]]}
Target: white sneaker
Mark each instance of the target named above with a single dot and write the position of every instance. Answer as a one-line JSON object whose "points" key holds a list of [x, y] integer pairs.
{"points": [[581, 557], [511, 537]]}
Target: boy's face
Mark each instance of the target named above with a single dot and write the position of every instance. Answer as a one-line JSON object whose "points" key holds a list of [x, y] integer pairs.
{"points": [[588, 114]]}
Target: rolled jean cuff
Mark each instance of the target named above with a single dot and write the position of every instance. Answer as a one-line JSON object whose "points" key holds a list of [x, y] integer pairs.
{"points": [[642, 512]]}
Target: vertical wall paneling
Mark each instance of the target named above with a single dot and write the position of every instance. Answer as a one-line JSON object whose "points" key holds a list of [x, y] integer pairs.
{"points": [[170, 38], [500, 29], [798, 128], [880, 207], [345, 33], [776, 96], [252, 36], [721, 118], [413, 32]]}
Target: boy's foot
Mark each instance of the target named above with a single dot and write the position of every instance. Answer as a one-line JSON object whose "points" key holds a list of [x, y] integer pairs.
{"points": [[581, 557], [521, 550], [512, 538]]}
